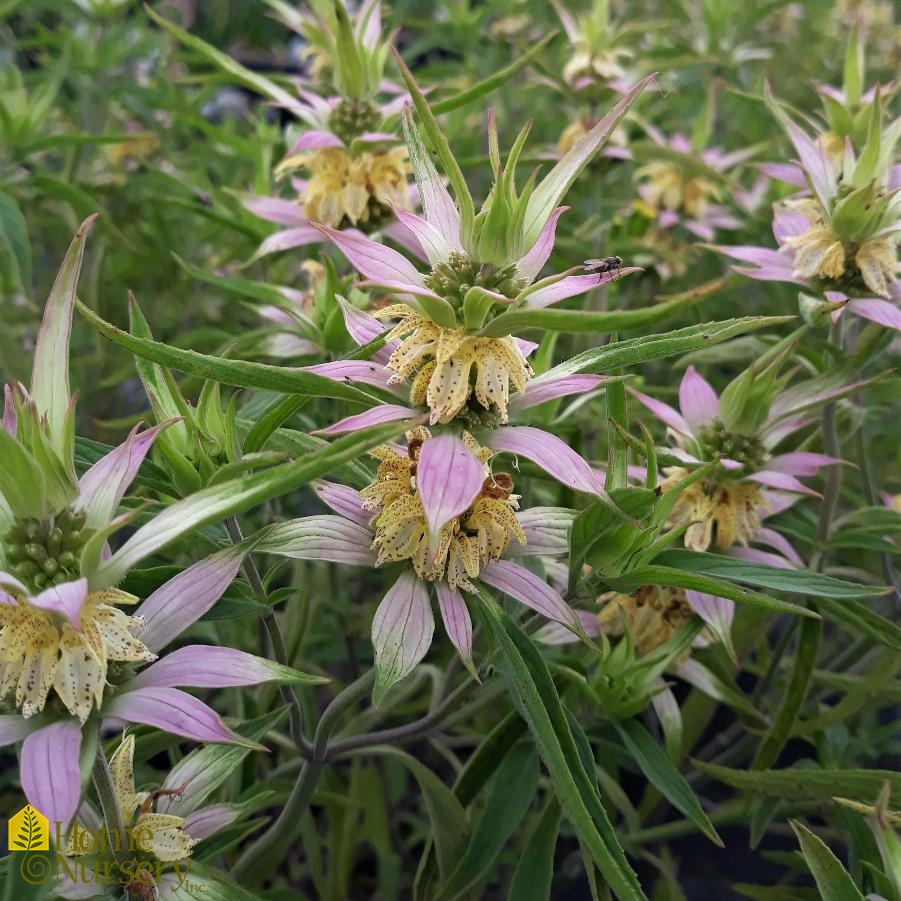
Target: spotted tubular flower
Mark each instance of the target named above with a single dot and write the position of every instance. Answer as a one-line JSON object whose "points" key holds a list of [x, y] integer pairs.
{"points": [[545, 449], [438, 508], [725, 508], [455, 351], [685, 187], [840, 239], [69, 652], [356, 168]]}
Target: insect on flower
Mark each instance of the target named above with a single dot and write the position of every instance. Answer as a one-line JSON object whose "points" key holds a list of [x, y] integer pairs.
{"points": [[607, 264]]}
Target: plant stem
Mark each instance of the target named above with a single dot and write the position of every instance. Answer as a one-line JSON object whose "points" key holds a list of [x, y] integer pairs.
{"points": [[270, 621], [270, 848]]}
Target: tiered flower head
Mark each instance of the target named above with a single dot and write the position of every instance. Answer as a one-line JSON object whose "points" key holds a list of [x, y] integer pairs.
{"points": [[69, 652], [685, 186], [840, 239], [726, 508], [357, 168], [439, 509]]}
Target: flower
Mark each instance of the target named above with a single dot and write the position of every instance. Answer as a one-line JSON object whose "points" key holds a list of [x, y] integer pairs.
{"points": [[543, 448], [683, 188], [68, 650], [724, 508], [439, 508], [357, 168], [483, 267], [840, 237]]}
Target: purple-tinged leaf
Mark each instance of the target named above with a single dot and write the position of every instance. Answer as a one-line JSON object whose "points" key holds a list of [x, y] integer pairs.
{"points": [[449, 478], [546, 530], [297, 236], [717, 613], [102, 487], [524, 586], [880, 311], [274, 209], [173, 711], [664, 412], [436, 248], [315, 140], [549, 452], [325, 537], [556, 633], [365, 371], [182, 600], [50, 373], [51, 778], [402, 631], [572, 286], [374, 260], [532, 261], [362, 327], [457, 622], [13, 728], [783, 481], [801, 463], [204, 822], [538, 391], [343, 500], [375, 416], [208, 666]]}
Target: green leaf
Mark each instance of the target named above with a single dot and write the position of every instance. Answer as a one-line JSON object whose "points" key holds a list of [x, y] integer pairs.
{"points": [[213, 504], [656, 347], [492, 82], [23, 870], [535, 870], [832, 879], [530, 684], [205, 882], [515, 321], [450, 828], [240, 373], [784, 722], [512, 791], [721, 588], [797, 581], [14, 240], [859, 616], [796, 784], [223, 61], [664, 776]]}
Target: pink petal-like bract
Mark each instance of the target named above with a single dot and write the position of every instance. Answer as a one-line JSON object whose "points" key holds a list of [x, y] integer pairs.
{"points": [[524, 586], [182, 600], [532, 261], [449, 478], [102, 487], [375, 416], [172, 711], [66, 600], [664, 412], [343, 500], [275, 209], [538, 391], [51, 778], [206, 666], [456, 618], [402, 631], [549, 452], [374, 260], [364, 371], [697, 400]]}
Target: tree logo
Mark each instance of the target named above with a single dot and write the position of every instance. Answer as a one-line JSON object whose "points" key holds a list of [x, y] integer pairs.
{"points": [[29, 830]]}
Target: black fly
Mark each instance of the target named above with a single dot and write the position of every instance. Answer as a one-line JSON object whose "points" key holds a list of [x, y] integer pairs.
{"points": [[608, 264]]}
